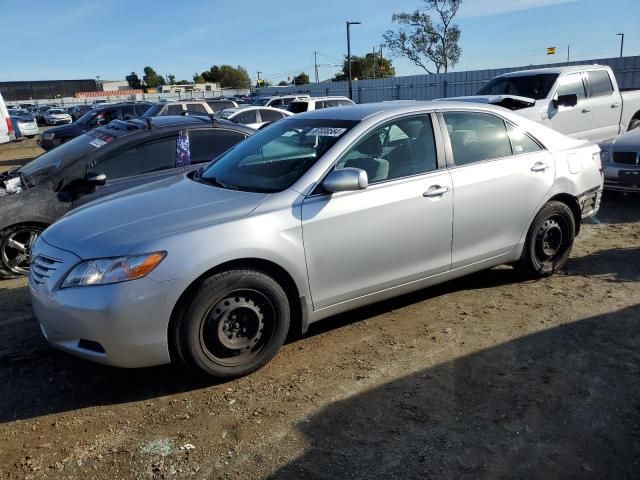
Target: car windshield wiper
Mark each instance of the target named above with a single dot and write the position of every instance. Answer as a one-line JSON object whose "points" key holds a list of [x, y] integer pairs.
{"points": [[217, 183]]}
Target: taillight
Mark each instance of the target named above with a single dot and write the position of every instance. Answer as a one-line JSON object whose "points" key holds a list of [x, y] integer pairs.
{"points": [[9, 125]]}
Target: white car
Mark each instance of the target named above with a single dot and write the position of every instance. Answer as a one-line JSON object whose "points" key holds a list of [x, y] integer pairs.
{"points": [[6, 126], [185, 107], [317, 103], [279, 101], [254, 117], [57, 116]]}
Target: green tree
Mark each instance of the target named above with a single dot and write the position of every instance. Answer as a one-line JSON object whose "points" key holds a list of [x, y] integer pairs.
{"points": [[151, 78], [228, 76], [283, 83], [133, 80], [301, 79], [369, 66], [171, 79], [183, 82], [424, 41], [198, 78]]}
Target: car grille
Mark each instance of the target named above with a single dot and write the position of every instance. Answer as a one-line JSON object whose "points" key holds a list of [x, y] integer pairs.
{"points": [[625, 158], [41, 269]]}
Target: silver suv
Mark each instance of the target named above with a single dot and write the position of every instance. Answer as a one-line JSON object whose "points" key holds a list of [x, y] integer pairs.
{"points": [[317, 214]]}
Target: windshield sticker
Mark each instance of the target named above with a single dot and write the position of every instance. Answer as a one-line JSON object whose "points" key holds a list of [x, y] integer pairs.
{"points": [[96, 142], [326, 132], [183, 152]]}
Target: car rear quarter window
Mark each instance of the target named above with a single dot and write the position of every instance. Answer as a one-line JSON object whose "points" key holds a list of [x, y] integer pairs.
{"points": [[298, 107], [572, 84], [147, 157], [599, 83], [276, 103], [246, 118], [476, 137], [521, 142], [207, 144]]}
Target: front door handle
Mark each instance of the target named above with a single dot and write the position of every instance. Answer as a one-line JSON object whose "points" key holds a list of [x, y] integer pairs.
{"points": [[435, 191], [615, 105], [539, 167], [586, 109]]}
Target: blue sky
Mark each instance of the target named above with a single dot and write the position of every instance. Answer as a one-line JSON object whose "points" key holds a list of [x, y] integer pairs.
{"points": [[67, 39]]}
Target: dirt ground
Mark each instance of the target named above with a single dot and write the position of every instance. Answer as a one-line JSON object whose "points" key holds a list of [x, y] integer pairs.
{"points": [[483, 377]]}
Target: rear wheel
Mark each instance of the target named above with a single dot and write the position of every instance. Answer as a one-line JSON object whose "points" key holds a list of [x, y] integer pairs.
{"points": [[233, 324], [15, 249], [634, 123], [549, 241]]}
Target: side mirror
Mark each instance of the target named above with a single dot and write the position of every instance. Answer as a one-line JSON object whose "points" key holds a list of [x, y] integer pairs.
{"points": [[96, 179], [346, 180], [569, 100]]}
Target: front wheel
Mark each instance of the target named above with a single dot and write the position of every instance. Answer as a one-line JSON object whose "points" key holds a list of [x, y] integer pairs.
{"points": [[233, 324], [15, 249], [549, 241]]}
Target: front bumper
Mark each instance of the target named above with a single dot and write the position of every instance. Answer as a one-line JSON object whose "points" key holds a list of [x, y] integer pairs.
{"points": [[123, 325], [622, 178]]}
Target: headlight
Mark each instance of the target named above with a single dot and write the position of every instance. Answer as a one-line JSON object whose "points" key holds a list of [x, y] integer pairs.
{"points": [[49, 136], [605, 156], [103, 271]]}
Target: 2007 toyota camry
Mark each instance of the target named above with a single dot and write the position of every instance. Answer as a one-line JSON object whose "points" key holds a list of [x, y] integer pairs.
{"points": [[317, 214]]}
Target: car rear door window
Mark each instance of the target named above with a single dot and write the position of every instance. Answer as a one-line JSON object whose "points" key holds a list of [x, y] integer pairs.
{"points": [[207, 144], [270, 115], [246, 118], [476, 137], [173, 110], [276, 103], [141, 108], [196, 107], [599, 83], [298, 107], [148, 157], [570, 84]]}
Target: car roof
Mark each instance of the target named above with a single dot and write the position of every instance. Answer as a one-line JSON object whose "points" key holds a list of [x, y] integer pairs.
{"points": [[554, 70], [363, 111], [169, 122], [329, 97]]}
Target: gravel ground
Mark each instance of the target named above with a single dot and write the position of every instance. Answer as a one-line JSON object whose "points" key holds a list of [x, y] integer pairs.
{"points": [[482, 377]]}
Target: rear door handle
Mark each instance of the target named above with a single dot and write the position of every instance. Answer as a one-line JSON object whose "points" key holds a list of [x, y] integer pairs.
{"points": [[539, 167], [615, 105], [586, 109], [435, 191]]}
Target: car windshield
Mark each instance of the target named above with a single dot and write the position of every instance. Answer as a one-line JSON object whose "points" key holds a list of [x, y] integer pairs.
{"points": [[530, 86], [19, 113], [261, 102], [275, 158], [45, 165]]}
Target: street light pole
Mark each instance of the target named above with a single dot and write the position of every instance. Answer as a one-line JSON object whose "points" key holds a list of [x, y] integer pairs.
{"points": [[349, 55], [621, 42]]}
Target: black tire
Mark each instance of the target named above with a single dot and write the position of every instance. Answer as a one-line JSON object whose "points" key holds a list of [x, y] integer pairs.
{"points": [[15, 249], [634, 123], [30, 136], [549, 241], [232, 324]]}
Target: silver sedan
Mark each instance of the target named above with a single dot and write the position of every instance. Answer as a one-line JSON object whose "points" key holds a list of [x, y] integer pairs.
{"points": [[318, 214]]}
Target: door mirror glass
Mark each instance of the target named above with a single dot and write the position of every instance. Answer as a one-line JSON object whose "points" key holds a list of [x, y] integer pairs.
{"points": [[346, 180], [96, 178], [568, 100]]}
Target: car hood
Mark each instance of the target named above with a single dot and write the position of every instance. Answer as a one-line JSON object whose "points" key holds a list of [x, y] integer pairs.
{"points": [[70, 128], [629, 141], [116, 224], [512, 102]]}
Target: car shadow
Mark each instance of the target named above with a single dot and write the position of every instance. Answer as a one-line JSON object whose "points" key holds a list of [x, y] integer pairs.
{"points": [[612, 265], [17, 163], [617, 207], [561, 403]]}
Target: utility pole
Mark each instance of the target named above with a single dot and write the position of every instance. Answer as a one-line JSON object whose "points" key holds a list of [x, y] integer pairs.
{"points": [[374, 63], [349, 55], [315, 62], [568, 50], [621, 42], [258, 82]]}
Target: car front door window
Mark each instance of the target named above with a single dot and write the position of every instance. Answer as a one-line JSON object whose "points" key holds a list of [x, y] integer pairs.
{"points": [[149, 157]]}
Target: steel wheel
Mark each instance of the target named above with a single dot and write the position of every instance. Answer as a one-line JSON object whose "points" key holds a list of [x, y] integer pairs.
{"points": [[238, 327], [550, 239], [15, 251]]}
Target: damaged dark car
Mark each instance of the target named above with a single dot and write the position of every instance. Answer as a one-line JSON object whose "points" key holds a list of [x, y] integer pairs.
{"points": [[106, 160]]}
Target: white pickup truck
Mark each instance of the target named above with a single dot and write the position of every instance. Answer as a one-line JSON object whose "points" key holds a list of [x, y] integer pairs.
{"points": [[581, 101]]}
